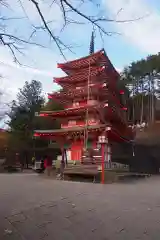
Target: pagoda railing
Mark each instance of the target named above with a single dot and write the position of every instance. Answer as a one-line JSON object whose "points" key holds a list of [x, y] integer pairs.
{"points": [[69, 96], [82, 104], [74, 123]]}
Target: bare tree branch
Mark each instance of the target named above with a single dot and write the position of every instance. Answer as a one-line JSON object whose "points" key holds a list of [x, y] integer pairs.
{"points": [[57, 40], [4, 3], [69, 9], [94, 20], [63, 11], [12, 41]]}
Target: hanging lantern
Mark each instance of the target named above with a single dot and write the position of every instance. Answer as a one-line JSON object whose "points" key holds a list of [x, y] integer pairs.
{"points": [[108, 128], [104, 84], [36, 134], [43, 114], [49, 96], [121, 92], [106, 105]]}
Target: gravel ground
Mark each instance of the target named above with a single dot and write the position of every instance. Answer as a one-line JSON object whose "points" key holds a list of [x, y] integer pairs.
{"points": [[34, 208]]}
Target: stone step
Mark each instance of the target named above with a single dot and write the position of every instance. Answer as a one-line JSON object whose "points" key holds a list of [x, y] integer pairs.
{"points": [[82, 169]]}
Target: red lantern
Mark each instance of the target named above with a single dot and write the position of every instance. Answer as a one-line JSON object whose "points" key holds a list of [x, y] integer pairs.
{"points": [[121, 92]]}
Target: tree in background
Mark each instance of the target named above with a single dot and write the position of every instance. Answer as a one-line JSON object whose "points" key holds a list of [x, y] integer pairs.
{"points": [[23, 121], [45, 123], [1, 105], [22, 114], [143, 80]]}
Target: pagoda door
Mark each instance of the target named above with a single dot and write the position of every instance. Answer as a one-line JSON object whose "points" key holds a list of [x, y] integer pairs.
{"points": [[76, 151]]}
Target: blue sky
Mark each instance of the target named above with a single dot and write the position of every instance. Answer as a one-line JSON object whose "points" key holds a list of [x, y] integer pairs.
{"points": [[137, 40]]}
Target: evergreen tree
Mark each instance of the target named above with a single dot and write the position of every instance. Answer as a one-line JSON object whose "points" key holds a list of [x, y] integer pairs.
{"points": [[143, 80], [22, 114]]}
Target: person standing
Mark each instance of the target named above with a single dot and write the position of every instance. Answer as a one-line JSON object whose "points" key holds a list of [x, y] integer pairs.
{"points": [[58, 166], [62, 166], [22, 164], [33, 161], [48, 165]]}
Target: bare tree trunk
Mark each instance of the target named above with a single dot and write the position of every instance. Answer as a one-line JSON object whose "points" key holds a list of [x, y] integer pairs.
{"points": [[153, 104], [133, 105], [137, 101], [142, 105], [149, 101]]}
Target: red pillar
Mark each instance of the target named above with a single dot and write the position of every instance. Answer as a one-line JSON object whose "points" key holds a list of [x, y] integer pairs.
{"points": [[103, 157]]}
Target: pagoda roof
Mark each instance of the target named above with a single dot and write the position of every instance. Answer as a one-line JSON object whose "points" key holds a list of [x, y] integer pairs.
{"points": [[81, 91], [80, 76], [97, 89], [81, 62], [113, 134], [68, 112], [85, 62], [97, 74], [66, 130], [112, 112]]}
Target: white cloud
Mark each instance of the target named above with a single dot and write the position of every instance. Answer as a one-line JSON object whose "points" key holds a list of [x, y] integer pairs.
{"points": [[42, 66], [144, 33], [25, 8], [38, 63]]}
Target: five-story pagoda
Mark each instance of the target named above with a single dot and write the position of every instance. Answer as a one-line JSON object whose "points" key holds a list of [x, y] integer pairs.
{"points": [[94, 112]]}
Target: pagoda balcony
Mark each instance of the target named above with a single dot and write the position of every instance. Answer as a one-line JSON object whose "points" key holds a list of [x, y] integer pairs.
{"points": [[83, 104], [95, 91], [107, 113], [97, 75], [74, 123], [77, 92], [100, 91]]}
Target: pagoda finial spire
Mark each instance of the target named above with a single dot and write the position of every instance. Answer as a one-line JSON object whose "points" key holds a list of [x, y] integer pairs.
{"points": [[91, 50]]}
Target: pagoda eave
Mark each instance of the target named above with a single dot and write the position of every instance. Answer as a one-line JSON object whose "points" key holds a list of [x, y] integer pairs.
{"points": [[103, 74], [81, 62], [65, 131], [69, 111], [101, 91], [62, 134], [85, 62], [80, 77], [110, 112]]}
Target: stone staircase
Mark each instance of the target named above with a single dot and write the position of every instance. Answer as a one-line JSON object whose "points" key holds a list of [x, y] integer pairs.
{"points": [[88, 169]]}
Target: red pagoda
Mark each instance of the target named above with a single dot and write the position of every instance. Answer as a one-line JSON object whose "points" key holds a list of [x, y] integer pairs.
{"points": [[94, 113]]}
